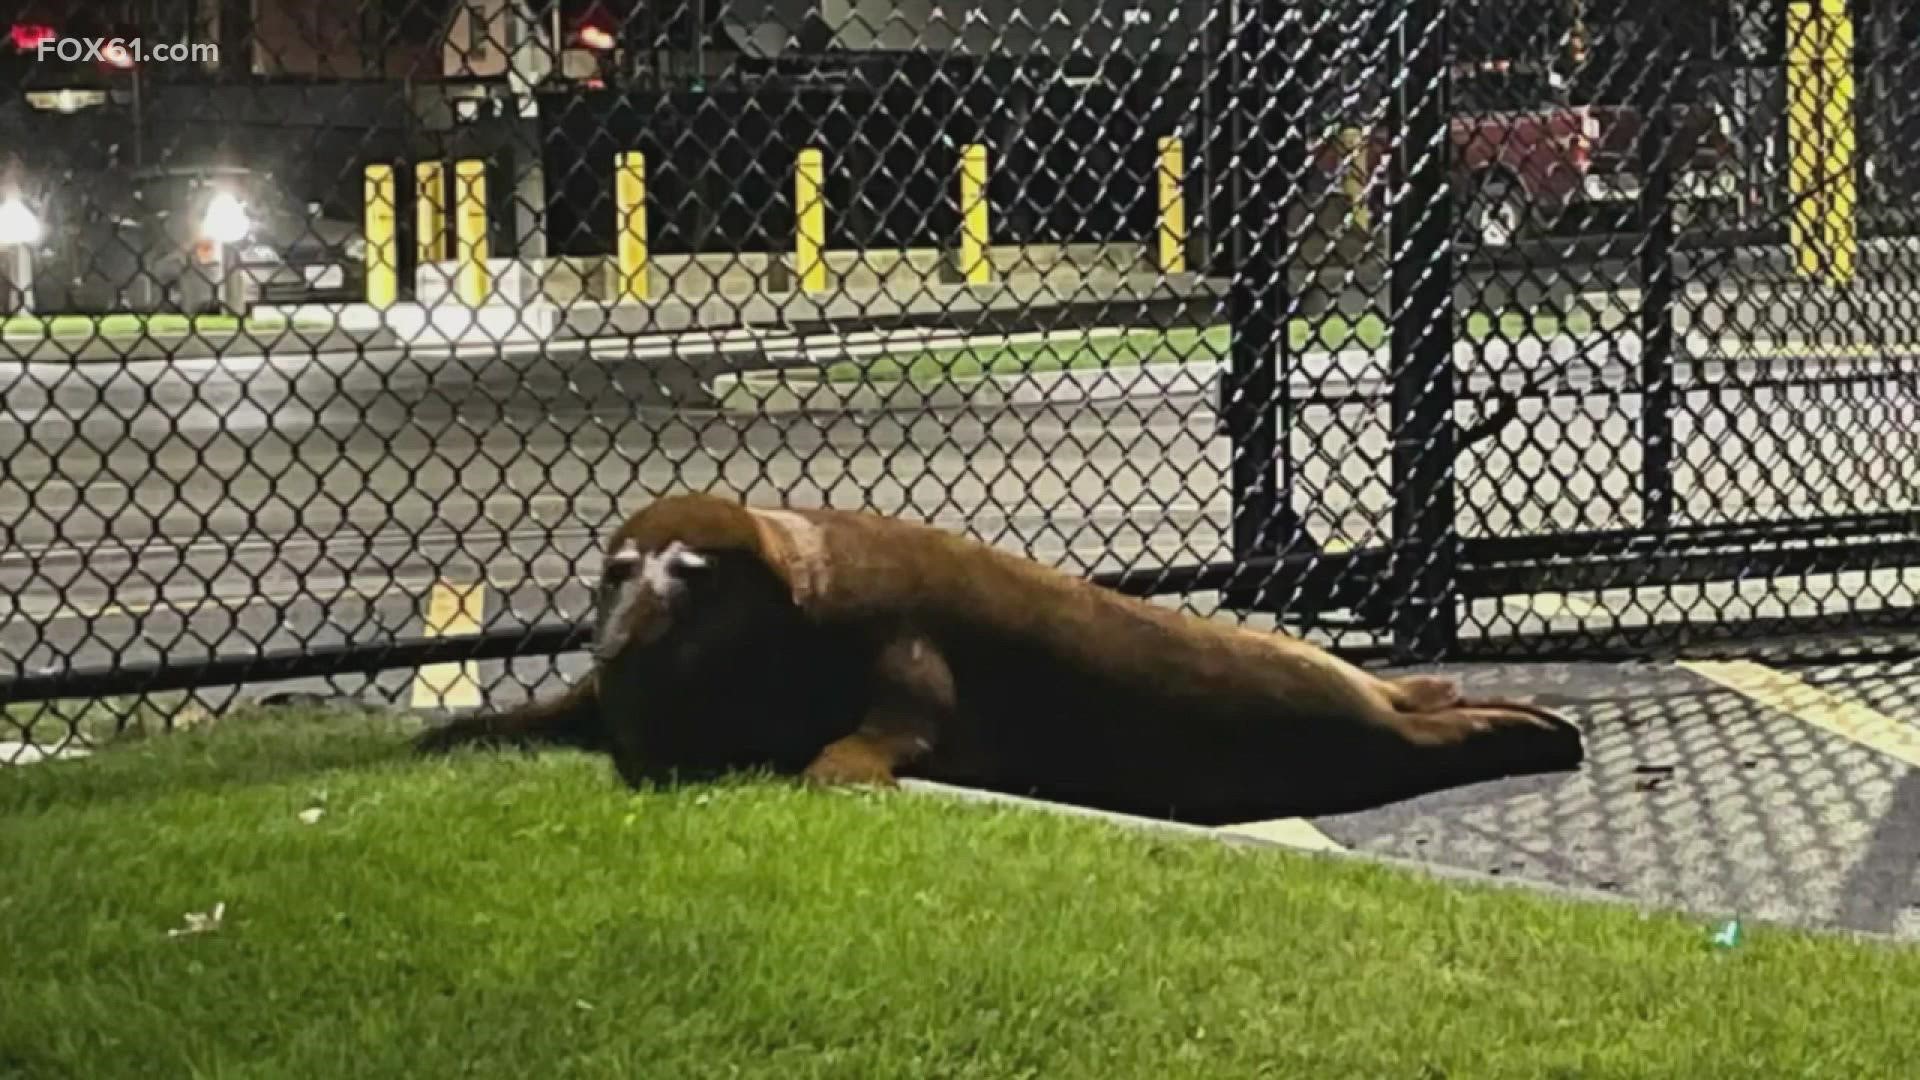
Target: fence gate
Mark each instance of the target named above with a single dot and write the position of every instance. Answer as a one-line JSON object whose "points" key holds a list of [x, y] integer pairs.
{"points": [[1659, 392], [1430, 330]]}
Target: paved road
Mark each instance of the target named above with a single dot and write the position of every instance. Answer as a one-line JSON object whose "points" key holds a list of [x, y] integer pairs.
{"points": [[221, 505]]}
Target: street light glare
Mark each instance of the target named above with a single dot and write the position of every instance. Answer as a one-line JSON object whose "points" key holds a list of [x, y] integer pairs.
{"points": [[226, 221], [18, 225]]}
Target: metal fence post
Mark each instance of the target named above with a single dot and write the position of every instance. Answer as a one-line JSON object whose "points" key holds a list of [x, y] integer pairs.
{"points": [[1425, 622], [1656, 161], [1264, 116]]}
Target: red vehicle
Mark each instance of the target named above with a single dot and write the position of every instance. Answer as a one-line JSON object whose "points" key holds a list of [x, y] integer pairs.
{"points": [[1520, 170]]}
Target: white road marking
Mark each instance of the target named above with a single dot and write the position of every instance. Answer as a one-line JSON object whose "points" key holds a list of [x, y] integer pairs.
{"points": [[1290, 832]]}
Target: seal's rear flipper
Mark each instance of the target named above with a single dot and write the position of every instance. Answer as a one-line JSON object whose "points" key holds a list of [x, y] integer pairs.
{"points": [[571, 719], [1488, 739]]}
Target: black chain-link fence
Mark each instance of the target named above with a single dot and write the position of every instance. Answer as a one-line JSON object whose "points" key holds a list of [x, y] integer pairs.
{"points": [[338, 333]]}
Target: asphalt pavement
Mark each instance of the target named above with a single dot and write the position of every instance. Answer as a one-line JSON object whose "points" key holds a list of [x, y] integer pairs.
{"points": [[1727, 790], [221, 505]]}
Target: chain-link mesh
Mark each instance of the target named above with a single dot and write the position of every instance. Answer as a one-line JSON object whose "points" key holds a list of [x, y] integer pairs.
{"points": [[338, 333]]}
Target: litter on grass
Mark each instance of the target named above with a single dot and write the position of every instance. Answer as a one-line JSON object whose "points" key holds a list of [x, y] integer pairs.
{"points": [[201, 922]]}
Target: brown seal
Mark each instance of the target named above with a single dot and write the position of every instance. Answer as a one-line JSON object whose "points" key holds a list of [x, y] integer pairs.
{"points": [[856, 648]]}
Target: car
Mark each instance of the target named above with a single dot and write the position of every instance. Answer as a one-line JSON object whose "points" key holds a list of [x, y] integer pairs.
{"points": [[1522, 162], [190, 238], [288, 251]]}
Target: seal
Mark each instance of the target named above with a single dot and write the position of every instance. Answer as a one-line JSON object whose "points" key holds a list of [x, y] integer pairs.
{"points": [[855, 648]]}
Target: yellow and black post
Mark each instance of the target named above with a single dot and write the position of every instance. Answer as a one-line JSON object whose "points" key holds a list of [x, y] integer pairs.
{"points": [[975, 269], [810, 221], [430, 212], [470, 196], [1173, 207], [1356, 151], [630, 204], [383, 237], [1821, 135]]}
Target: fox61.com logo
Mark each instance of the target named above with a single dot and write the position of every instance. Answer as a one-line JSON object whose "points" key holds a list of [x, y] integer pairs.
{"points": [[121, 52]]}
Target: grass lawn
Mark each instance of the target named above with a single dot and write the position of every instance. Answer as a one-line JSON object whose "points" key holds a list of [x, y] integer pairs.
{"points": [[511, 915], [1184, 345], [134, 325], [91, 724]]}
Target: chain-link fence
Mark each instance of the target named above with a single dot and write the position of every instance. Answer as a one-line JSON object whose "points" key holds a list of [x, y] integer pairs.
{"points": [[337, 334]]}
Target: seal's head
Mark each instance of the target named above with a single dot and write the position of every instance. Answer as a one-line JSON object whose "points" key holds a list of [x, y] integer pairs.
{"points": [[638, 593]]}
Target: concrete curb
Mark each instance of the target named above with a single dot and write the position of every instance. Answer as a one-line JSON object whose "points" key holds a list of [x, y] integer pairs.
{"points": [[15, 753], [1201, 832], [1015, 305], [1452, 875], [803, 390], [119, 349], [807, 391]]}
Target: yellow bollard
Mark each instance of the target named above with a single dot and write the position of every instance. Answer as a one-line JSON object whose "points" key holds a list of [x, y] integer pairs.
{"points": [[1841, 219], [470, 195], [430, 212], [1821, 137], [453, 608], [630, 204], [1353, 179], [810, 221], [1803, 108], [383, 237], [1173, 207], [974, 267]]}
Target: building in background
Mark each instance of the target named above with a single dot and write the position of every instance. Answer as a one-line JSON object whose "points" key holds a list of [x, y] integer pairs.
{"points": [[339, 39]]}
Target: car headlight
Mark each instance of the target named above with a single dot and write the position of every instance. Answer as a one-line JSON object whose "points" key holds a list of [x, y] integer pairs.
{"points": [[18, 225], [226, 221]]}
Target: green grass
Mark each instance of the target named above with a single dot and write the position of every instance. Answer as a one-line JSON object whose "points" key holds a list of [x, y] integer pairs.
{"points": [[93, 723], [511, 915], [136, 325], [1186, 345]]}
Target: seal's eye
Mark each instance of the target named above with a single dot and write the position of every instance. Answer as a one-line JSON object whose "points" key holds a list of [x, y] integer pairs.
{"points": [[621, 564]]}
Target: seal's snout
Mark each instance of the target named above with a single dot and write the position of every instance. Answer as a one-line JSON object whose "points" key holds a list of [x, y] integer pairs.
{"points": [[639, 585]]}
